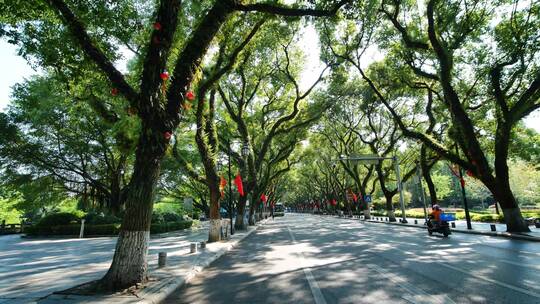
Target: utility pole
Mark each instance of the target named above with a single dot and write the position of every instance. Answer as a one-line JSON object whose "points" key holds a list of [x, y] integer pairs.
{"points": [[400, 189]]}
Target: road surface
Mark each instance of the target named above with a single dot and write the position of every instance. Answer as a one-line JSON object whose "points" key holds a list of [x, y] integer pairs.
{"points": [[313, 259]]}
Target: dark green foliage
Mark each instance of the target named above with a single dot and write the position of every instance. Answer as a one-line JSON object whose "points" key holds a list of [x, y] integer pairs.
{"points": [[93, 218], [159, 217], [169, 226], [56, 219], [106, 229], [73, 229], [100, 230], [171, 217]]}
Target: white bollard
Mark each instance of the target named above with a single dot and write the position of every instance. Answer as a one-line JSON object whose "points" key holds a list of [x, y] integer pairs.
{"points": [[81, 233], [162, 259]]}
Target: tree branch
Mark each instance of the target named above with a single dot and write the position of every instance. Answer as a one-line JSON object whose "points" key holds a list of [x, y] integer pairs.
{"points": [[287, 11], [80, 34]]}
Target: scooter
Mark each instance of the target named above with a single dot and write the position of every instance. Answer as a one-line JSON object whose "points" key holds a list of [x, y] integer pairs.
{"points": [[439, 227]]}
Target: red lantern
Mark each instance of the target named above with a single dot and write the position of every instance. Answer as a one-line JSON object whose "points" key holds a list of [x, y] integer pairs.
{"points": [[157, 26], [167, 135], [164, 76], [114, 91], [190, 96]]}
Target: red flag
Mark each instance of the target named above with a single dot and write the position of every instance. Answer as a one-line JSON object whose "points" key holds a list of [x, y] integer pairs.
{"points": [[354, 198], [239, 185], [222, 184], [263, 198], [333, 202]]}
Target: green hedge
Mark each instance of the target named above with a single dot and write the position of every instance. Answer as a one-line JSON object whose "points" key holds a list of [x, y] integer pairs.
{"points": [[169, 226], [96, 230], [73, 229], [475, 217], [58, 219]]}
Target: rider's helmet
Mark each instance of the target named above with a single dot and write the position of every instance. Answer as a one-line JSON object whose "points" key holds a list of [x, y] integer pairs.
{"points": [[436, 207]]}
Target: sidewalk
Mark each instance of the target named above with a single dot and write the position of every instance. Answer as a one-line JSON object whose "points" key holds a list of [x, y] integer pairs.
{"points": [[31, 270], [477, 228]]}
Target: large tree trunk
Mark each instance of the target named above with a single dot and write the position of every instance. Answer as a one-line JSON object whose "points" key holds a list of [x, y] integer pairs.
{"points": [[388, 195], [214, 233], [502, 192], [512, 214], [426, 173], [389, 206], [251, 219], [129, 264], [253, 207], [241, 211]]}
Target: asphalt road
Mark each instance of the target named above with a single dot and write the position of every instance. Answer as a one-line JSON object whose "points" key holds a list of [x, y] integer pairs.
{"points": [[313, 259]]}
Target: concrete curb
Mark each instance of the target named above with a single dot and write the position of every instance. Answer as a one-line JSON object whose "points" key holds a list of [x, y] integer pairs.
{"points": [[487, 233], [169, 287], [160, 291]]}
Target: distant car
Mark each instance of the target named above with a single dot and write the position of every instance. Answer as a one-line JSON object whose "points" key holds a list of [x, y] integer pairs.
{"points": [[279, 210]]}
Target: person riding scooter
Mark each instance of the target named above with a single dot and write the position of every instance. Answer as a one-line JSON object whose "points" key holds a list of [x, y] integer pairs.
{"points": [[436, 214], [435, 224]]}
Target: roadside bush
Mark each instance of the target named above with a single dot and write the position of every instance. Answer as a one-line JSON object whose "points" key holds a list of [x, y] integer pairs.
{"points": [[42, 230], [169, 226], [160, 217], [73, 229], [100, 230], [58, 219], [171, 217], [94, 218], [487, 218], [105, 229]]}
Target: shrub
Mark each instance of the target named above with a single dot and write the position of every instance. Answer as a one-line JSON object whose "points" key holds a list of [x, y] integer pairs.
{"points": [[58, 219], [106, 229], [171, 217], [72, 229], [42, 230], [160, 217], [101, 219], [487, 218], [169, 226], [103, 230]]}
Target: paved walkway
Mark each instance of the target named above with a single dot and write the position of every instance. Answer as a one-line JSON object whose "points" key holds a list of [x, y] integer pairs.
{"points": [[477, 226], [35, 267]]}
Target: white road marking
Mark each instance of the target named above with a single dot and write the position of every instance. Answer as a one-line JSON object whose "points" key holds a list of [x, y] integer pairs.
{"points": [[482, 277], [414, 294], [315, 290]]}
